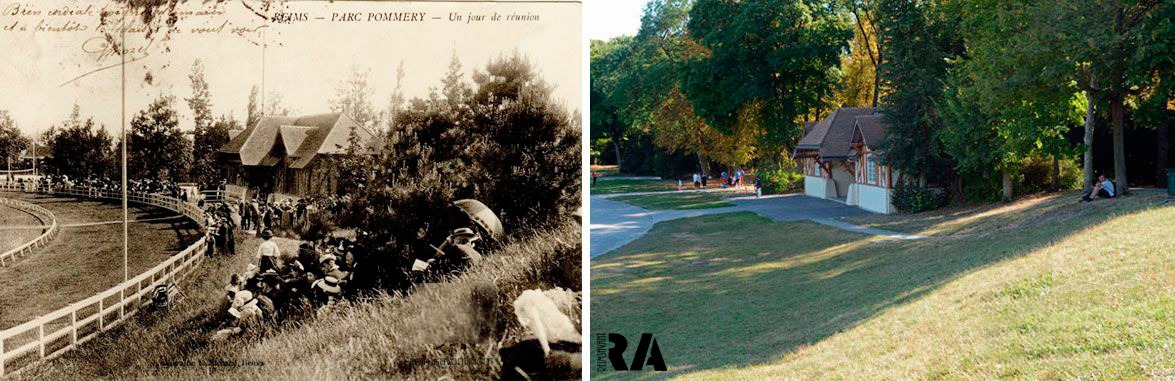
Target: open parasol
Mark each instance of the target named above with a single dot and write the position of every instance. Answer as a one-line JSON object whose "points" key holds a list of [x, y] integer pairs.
{"points": [[483, 216]]}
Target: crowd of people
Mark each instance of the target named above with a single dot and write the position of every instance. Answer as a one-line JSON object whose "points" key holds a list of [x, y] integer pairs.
{"points": [[279, 284], [729, 180], [105, 184]]}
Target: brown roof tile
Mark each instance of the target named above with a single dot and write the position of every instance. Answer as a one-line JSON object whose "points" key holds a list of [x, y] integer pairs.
{"points": [[832, 135]]}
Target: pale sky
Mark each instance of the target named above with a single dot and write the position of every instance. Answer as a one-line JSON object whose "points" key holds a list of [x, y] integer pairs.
{"points": [[304, 61], [605, 19]]}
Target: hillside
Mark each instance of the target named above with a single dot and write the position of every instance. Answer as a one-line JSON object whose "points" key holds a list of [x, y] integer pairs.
{"points": [[1041, 288], [441, 329]]}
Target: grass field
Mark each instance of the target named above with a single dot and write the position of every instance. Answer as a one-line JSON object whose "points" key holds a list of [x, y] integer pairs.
{"points": [[440, 330], [606, 170], [14, 227], [1058, 290], [82, 261], [606, 185], [675, 201]]}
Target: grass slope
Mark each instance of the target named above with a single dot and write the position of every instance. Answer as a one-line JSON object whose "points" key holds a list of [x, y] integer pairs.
{"points": [[451, 329], [1076, 291], [675, 201]]}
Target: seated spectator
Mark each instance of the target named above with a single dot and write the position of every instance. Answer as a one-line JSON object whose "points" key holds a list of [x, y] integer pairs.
{"points": [[1102, 188]]}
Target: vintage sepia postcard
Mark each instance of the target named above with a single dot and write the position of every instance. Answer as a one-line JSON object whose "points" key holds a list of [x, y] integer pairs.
{"points": [[290, 190]]}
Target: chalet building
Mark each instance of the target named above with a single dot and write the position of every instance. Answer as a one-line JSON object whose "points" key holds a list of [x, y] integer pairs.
{"points": [[290, 156], [841, 163]]}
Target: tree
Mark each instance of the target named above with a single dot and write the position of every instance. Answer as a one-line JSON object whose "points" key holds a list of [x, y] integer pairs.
{"points": [[916, 41], [157, 148], [206, 170], [200, 102], [606, 123], [643, 81], [207, 139], [397, 100], [254, 111], [506, 143], [12, 141], [858, 85], [776, 56], [866, 44], [1027, 110], [1115, 49], [79, 149], [275, 105], [353, 97]]}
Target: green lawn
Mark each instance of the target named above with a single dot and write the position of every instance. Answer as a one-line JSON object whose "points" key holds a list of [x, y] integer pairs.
{"points": [[606, 185], [1072, 291], [606, 170], [676, 201]]}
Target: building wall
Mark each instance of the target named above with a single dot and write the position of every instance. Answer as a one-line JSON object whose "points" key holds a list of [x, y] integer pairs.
{"points": [[874, 198], [819, 187], [841, 178]]}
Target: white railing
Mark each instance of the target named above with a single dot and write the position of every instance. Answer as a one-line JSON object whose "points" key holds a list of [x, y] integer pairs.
{"points": [[11, 256], [57, 332]]}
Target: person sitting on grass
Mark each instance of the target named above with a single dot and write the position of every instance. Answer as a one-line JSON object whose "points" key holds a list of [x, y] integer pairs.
{"points": [[1102, 188]]}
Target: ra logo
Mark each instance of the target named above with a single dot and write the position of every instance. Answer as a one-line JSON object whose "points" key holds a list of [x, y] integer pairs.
{"points": [[647, 353]]}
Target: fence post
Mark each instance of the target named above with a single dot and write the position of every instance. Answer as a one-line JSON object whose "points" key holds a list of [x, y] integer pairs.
{"points": [[73, 326], [101, 315], [41, 338], [2, 359]]}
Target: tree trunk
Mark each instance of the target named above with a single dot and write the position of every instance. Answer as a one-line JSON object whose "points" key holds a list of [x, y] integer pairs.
{"points": [[1056, 186], [1007, 183], [619, 160], [1161, 154], [1117, 109], [1090, 125], [704, 164]]}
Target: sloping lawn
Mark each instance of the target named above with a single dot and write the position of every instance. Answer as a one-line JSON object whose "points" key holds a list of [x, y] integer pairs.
{"points": [[441, 330], [736, 296], [606, 185], [676, 201]]}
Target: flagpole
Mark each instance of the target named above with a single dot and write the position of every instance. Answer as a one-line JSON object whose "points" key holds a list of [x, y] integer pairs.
{"points": [[125, 236]]}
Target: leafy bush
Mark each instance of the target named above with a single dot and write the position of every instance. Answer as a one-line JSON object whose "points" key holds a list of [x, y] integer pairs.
{"points": [[909, 198], [1036, 175], [777, 179], [503, 142]]}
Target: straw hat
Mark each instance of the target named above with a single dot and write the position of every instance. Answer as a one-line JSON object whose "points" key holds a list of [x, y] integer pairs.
{"points": [[327, 257], [330, 285], [267, 233], [464, 232]]}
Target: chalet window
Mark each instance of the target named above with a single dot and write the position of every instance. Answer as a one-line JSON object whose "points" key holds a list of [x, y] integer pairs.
{"points": [[815, 168], [871, 166]]}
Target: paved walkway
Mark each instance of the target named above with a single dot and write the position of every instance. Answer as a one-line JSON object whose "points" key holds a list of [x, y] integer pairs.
{"points": [[615, 223]]}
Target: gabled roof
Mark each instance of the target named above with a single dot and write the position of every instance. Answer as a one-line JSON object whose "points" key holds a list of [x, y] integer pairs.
{"points": [[292, 137], [300, 139], [870, 129], [831, 137]]}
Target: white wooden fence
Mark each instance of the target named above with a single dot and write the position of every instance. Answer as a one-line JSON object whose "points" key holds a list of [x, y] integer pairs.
{"points": [[11, 256], [59, 331]]}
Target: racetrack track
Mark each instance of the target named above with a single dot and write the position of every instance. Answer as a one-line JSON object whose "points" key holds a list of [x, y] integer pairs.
{"points": [[85, 258], [12, 238]]}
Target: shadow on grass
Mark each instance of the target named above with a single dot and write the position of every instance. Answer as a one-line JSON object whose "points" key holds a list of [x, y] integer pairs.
{"points": [[736, 289]]}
